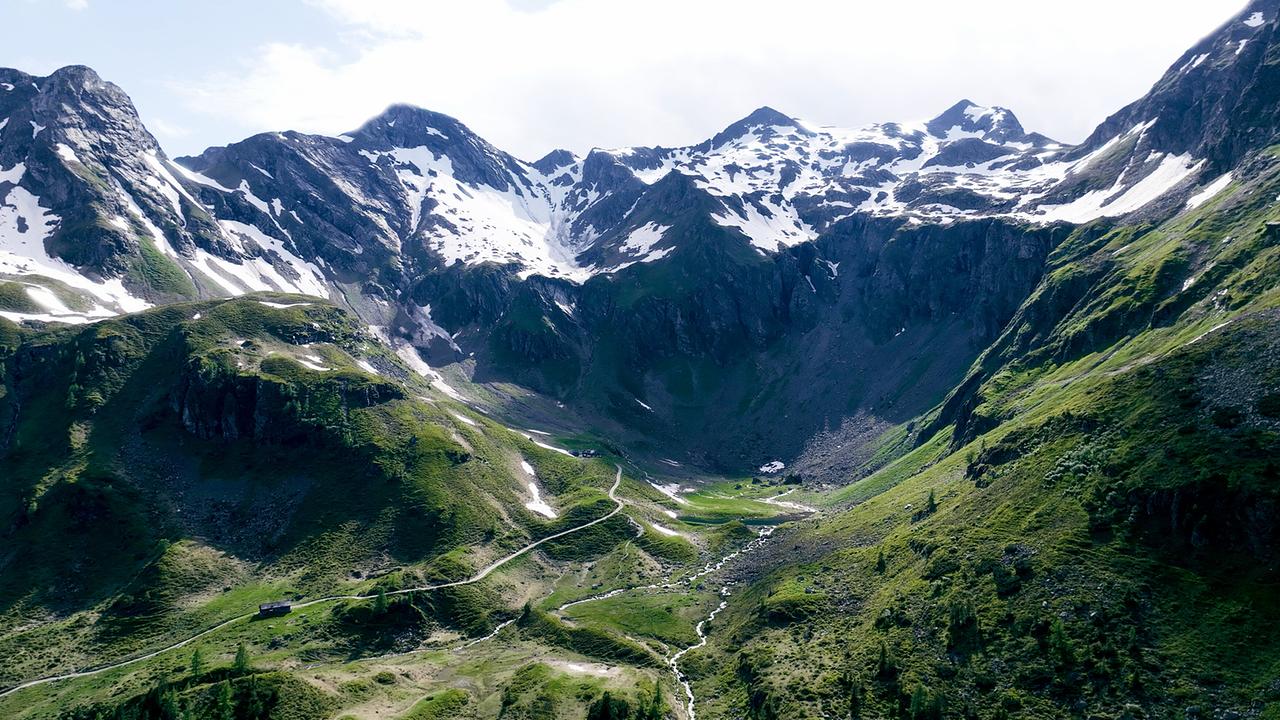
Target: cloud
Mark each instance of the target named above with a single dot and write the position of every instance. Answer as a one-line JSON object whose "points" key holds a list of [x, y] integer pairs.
{"points": [[77, 4], [167, 130], [577, 73]]}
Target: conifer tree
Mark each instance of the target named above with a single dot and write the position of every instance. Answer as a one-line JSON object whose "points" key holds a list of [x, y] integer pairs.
{"points": [[241, 663], [197, 663]]}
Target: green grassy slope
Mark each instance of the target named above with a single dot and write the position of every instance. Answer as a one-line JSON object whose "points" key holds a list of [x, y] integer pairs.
{"points": [[1094, 530], [170, 469]]}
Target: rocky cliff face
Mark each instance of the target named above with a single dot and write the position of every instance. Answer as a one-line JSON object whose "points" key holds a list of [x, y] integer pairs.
{"points": [[1218, 101], [1213, 107], [95, 219], [752, 356], [81, 199]]}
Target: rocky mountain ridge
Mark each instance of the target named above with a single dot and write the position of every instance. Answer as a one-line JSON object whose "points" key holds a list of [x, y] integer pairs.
{"points": [[309, 213]]}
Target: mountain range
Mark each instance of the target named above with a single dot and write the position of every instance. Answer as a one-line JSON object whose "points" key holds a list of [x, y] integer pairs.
{"points": [[451, 245], [1023, 395]]}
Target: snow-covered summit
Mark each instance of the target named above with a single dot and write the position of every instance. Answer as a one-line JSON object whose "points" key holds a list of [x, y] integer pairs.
{"points": [[782, 180], [967, 119]]}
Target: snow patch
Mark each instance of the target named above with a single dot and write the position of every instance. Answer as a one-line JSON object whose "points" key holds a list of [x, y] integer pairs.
{"points": [[66, 153], [19, 317], [157, 237], [1209, 191], [197, 178], [769, 226], [312, 362], [410, 356], [1116, 201], [545, 446], [47, 300], [642, 239], [282, 306], [13, 174], [265, 276], [536, 504], [672, 491], [24, 226], [483, 223]]}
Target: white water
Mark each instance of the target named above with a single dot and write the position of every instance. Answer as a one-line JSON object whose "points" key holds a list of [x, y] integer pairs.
{"points": [[700, 628], [674, 662], [491, 635], [777, 501], [673, 584]]}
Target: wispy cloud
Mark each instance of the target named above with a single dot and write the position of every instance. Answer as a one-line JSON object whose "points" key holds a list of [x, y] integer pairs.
{"points": [[581, 72], [167, 130]]}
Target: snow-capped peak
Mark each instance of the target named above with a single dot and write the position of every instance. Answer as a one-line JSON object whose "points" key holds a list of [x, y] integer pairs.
{"points": [[555, 160], [762, 118], [401, 122], [968, 119]]}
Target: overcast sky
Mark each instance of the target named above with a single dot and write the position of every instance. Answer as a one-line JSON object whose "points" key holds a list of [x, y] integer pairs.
{"points": [[533, 75]]}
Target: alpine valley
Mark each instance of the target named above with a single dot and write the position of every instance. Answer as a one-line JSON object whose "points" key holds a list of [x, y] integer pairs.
{"points": [[938, 420]]}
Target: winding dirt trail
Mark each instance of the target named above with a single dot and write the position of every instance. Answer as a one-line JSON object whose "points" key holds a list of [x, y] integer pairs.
{"points": [[485, 572]]}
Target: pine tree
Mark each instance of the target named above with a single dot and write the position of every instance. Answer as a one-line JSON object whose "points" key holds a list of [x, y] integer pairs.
{"points": [[919, 701], [1060, 648], [170, 709], [380, 603], [608, 708], [925, 705], [223, 708], [256, 700], [853, 690], [241, 663], [886, 668], [880, 564], [197, 663], [931, 505], [964, 635]]}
